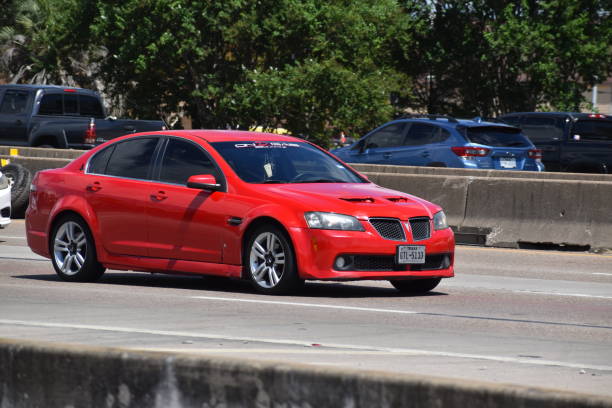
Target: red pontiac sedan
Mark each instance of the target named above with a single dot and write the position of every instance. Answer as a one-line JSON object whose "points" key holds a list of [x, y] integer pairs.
{"points": [[273, 209]]}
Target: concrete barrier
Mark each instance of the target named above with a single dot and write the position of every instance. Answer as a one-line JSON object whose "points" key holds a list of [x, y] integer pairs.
{"points": [[40, 152], [510, 212], [35, 164], [50, 376], [445, 171]]}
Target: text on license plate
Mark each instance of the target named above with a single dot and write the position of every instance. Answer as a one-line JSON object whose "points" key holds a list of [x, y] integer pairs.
{"points": [[507, 162], [410, 254]]}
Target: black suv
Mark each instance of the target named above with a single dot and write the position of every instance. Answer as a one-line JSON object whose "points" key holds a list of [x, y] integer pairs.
{"points": [[572, 142]]}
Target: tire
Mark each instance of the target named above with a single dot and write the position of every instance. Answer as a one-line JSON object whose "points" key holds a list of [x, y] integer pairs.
{"points": [[416, 286], [269, 261], [73, 252], [19, 178]]}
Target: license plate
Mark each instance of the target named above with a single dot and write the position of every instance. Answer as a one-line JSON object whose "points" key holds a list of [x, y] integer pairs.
{"points": [[410, 254], [507, 162]]}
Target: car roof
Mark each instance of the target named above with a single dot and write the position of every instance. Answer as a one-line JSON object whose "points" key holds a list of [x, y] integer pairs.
{"points": [[212, 136], [47, 87], [452, 123]]}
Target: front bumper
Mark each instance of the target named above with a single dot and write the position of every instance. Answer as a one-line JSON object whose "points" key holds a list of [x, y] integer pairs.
{"points": [[5, 207], [317, 250]]}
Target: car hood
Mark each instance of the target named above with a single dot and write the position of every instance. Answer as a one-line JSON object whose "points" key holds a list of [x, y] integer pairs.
{"points": [[362, 200]]}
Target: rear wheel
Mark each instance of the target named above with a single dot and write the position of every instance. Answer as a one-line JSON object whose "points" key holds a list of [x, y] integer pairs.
{"points": [[270, 262], [73, 252], [417, 286], [19, 179]]}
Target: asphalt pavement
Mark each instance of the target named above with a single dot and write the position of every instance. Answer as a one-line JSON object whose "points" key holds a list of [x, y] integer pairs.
{"points": [[527, 317]]}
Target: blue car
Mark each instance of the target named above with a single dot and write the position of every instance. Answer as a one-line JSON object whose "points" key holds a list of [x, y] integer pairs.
{"points": [[443, 141]]}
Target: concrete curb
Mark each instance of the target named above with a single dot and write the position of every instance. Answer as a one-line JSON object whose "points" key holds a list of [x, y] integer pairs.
{"points": [[49, 375]]}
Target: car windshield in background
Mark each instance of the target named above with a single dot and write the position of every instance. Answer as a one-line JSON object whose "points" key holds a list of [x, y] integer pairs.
{"points": [[496, 136], [283, 162]]}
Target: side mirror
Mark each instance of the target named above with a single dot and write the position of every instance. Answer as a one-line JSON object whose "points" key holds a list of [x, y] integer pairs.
{"points": [[361, 145], [203, 182]]}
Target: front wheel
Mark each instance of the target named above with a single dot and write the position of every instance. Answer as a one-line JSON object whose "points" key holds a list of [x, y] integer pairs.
{"points": [[269, 261], [73, 252], [417, 286]]}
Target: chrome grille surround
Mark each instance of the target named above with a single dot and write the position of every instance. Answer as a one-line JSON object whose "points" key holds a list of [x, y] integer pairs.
{"points": [[389, 228], [420, 228]]}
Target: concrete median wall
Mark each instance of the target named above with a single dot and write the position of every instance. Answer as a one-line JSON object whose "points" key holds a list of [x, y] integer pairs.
{"points": [[499, 208], [43, 375], [509, 212]]}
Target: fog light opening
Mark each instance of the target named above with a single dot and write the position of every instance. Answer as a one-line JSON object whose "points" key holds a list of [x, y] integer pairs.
{"points": [[343, 262]]}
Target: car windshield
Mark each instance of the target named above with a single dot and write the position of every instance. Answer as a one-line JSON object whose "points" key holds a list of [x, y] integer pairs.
{"points": [[496, 136], [284, 162]]}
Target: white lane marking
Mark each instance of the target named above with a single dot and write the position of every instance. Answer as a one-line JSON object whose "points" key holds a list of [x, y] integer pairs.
{"points": [[214, 336], [602, 273], [536, 292], [276, 302]]}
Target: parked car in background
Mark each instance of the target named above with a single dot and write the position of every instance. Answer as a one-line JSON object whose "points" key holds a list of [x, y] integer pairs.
{"points": [[443, 141], [62, 117], [273, 209], [5, 201], [572, 142]]}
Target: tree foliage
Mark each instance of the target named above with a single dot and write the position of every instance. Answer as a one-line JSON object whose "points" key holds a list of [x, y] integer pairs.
{"points": [[314, 67]]}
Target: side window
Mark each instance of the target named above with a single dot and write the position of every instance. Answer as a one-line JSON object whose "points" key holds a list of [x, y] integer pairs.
{"points": [[132, 158], [90, 106], [51, 104], [182, 160], [592, 130], [98, 163], [14, 102], [421, 134], [389, 136], [542, 129]]}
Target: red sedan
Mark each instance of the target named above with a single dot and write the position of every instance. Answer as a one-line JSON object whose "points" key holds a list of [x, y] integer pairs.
{"points": [[273, 209]]}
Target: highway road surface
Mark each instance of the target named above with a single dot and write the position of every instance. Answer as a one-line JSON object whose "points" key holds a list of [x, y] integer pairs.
{"points": [[526, 317]]}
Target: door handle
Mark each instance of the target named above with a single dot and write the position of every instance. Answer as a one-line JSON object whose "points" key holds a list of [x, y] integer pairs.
{"points": [[95, 186], [425, 154], [159, 196], [386, 155], [129, 127], [18, 122]]}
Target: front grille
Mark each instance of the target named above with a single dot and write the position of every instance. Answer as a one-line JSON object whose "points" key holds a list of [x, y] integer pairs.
{"points": [[6, 212], [420, 228], [389, 228], [374, 263], [433, 262]]}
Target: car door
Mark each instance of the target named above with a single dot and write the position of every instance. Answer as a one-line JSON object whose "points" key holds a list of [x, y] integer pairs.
{"points": [[418, 149], [118, 186], [14, 115], [380, 146], [185, 223]]}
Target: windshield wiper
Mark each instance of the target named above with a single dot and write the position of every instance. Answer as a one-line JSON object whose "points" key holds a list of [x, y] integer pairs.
{"points": [[321, 180]]}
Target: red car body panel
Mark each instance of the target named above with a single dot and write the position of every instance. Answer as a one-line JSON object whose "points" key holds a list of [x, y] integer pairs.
{"points": [[147, 225]]}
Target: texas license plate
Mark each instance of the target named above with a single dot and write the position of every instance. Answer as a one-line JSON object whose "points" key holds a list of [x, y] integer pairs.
{"points": [[410, 254], [507, 162]]}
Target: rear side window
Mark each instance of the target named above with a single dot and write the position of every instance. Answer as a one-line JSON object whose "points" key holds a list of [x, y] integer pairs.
{"points": [[132, 158], [543, 129], [593, 130], [98, 163], [496, 136], [51, 104], [14, 102], [389, 136], [184, 159], [422, 134], [512, 120]]}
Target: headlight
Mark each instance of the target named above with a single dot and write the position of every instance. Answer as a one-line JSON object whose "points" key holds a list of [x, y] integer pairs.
{"points": [[332, 221], [439, 220]]}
